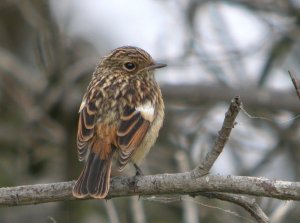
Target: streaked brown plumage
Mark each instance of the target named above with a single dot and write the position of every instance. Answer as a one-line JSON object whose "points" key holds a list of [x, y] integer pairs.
{"points": [[121, 113]]}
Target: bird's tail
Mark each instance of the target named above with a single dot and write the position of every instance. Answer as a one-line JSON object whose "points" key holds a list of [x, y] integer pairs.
{"points": [[94, 180]]}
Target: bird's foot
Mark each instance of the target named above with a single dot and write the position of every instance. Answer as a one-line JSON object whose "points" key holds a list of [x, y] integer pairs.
{"points": [[138, 172]]}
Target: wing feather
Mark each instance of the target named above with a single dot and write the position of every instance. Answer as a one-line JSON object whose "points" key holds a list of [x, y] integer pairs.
{"points": [[131, 132], [86, 125]]}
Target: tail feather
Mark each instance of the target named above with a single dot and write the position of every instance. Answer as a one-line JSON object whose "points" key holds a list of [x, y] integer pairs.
{"points": [[95, 177]]}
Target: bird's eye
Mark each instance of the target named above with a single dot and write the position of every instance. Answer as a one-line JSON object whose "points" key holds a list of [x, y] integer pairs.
{"points": [[129, 66]]}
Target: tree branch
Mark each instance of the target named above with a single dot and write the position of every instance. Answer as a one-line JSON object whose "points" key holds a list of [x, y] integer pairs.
{"points": [[228, 124], [187, 183], [161, 184], [199, 94]]}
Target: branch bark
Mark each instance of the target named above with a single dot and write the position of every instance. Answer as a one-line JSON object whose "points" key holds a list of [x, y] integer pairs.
{"points": [[161, 184]]}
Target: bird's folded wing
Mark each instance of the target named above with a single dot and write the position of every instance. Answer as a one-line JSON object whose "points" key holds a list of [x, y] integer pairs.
{"points": [[86, 125], [135, 123]]}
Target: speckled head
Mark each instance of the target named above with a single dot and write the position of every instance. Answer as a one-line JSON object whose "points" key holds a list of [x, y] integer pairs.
{"points": [[129, 60]]}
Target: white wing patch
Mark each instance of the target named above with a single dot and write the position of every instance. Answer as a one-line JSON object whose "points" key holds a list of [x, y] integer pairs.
{"points": [[147, 110], [82, 105]]}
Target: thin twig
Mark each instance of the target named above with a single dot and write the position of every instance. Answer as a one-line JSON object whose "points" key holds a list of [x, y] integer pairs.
{"points": [[295, 83], [228, 124], [248, 204]]}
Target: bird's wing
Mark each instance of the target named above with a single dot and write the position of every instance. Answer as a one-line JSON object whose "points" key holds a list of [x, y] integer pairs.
{"points": [[86, 126], [135, 123]]}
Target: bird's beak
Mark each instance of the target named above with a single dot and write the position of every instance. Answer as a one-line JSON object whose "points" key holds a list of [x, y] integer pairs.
{"points": [[156, 66]]}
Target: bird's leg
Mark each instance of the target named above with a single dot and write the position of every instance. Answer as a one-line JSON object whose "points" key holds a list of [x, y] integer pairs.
{"points": [[133, 183], [138, 172]]}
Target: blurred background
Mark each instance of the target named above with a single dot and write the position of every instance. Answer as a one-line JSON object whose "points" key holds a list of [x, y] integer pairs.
{"points": [[214, 51]]}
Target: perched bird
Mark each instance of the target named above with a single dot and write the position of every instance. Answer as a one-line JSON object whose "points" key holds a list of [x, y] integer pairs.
{"points": [[120, 116]]}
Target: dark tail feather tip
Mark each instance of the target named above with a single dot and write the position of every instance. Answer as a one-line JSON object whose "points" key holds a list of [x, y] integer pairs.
{"points": [[94, 179]]}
